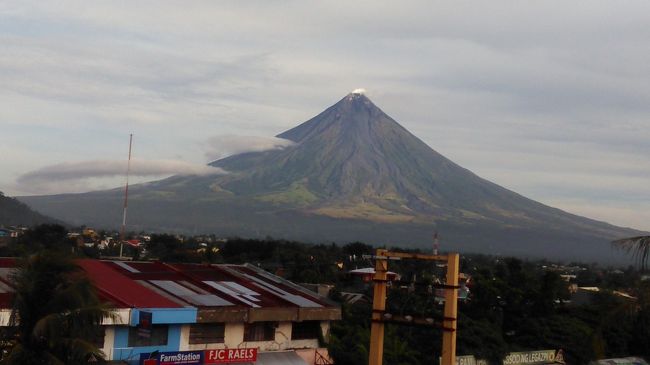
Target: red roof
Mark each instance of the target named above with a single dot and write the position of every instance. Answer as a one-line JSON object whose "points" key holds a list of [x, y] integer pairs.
{"points": [[128, 284], [205, 285], [122, 290]]}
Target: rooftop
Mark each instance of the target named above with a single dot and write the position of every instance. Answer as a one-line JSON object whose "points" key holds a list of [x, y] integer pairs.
{"points": [[218, 292]]}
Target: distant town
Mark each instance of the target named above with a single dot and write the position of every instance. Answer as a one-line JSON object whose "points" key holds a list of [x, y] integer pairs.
{"points": [[198, 298]]}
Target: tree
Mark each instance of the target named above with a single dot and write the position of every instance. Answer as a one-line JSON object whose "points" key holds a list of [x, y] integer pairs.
{"points": [[55, 315], [638, 246], [166, 247], [350, 337], [52, 237]]}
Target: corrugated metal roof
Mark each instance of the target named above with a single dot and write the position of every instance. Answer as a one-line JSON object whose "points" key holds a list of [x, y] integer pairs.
{"points": [[207, 287], [295, 299], [122, 290], [247, 299], [208, 274]]}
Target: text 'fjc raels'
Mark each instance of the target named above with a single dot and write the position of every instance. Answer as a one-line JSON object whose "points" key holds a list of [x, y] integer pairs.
{"points": [[220, 356]]}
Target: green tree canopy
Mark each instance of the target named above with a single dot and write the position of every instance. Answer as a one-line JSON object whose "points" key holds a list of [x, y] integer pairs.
{"points": [[55, 315]]}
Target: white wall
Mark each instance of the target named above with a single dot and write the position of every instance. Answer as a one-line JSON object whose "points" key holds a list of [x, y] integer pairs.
{"points": [[4, 317], [234, 338], [109, 340]]}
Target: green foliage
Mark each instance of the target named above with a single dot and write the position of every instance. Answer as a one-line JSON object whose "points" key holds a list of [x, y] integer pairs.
{"points": [[166, 247], [350, 337], [481, 338], [55, 313], [51, 237], [397, 349]]}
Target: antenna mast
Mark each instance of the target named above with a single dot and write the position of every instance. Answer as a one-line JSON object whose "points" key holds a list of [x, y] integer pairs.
{"points": [[126, 196]]}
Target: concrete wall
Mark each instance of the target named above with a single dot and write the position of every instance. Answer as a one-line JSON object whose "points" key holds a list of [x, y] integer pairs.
{"points": [[234, 338]]}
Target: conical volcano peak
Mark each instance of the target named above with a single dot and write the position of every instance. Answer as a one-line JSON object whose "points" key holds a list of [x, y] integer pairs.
{"points": [[358, 98], [353, 115], [357, 94]]}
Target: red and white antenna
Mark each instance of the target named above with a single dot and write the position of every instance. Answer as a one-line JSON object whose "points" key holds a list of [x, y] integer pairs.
{"points": [[126, 196]]}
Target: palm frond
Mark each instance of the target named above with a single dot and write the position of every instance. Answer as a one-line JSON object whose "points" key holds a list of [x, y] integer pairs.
{"points": [[638, 247], [55, 313]]}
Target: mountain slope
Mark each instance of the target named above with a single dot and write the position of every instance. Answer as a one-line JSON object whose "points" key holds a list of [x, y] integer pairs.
{"points": [[353, 173], [15, 213]]}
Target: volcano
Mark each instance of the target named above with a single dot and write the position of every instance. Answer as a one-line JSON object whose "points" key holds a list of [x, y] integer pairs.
{"points": [[352, 174]]}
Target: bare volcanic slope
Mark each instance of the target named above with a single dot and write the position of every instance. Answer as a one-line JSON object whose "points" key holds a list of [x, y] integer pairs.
{"points": [[353, 173]]}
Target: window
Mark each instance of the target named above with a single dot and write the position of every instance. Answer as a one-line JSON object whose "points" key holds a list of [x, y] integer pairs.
{"points": [[207, 333], [158, 336], [260, 331], [307, 330]]}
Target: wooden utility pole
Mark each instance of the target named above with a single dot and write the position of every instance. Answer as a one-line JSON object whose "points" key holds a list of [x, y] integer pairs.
{"points": [[378, 306], [451, 312], [449, 325]]}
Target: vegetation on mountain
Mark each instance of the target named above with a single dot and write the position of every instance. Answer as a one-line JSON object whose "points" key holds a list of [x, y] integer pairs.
{"points": [[15, 213]]}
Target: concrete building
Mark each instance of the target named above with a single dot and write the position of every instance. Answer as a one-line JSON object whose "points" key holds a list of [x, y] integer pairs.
{"points": [[192, 307]]}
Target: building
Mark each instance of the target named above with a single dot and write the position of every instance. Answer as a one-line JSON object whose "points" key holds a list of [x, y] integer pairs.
{"points": [[367, 274], [166, 308]]}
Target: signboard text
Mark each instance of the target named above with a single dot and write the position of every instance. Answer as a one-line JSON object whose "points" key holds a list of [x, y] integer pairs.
{"points": [[222, 356]]}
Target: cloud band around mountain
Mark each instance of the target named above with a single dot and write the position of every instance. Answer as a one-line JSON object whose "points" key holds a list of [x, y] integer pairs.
{"points": [[72, 173], [225, 145]]}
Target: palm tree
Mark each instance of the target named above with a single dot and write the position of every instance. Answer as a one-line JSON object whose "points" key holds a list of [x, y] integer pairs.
{"points": [[638, 246], [55, 315]]}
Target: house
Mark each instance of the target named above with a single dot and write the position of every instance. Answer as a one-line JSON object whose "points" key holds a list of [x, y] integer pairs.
{"points": [[169, 308], [587, 294], [367, 274], [5, 235]]}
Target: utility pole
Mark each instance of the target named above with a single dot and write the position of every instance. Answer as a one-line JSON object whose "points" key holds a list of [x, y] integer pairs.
{"points": [[379, 317], [376, 352], [450, 322]]}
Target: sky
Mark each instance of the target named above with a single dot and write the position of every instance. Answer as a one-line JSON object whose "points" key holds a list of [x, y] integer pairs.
{"points": [[550, 99]]}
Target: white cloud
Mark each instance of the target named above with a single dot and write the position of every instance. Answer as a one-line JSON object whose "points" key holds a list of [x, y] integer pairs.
{"points": [[74, 176], [226, 145]]}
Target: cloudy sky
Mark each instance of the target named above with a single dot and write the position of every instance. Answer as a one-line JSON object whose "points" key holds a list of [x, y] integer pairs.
{"points": [[550, 98]]}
